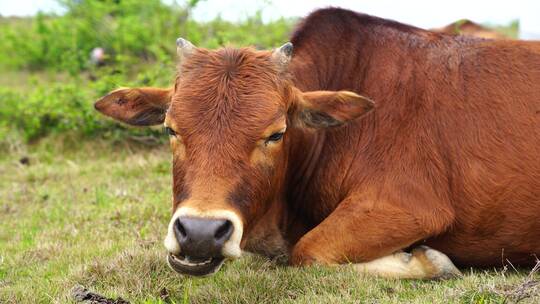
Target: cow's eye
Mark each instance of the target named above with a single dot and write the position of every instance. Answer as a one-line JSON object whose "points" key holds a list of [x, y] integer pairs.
{"points": [[275, 137], [170, 131]]}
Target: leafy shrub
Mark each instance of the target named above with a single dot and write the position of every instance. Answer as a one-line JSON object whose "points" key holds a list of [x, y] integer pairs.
{"points": [[68, 107], [130, 31], [139, 39]]}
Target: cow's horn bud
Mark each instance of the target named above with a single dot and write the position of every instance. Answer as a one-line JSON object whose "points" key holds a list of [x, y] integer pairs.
{"points": [[184, 48], [282, 55]]}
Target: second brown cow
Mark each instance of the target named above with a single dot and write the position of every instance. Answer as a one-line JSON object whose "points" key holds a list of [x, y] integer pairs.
{"points": [[469, 28]]}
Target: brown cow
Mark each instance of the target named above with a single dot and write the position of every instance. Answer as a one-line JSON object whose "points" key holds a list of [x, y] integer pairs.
{"points": [[467, 27], [278, 156]]}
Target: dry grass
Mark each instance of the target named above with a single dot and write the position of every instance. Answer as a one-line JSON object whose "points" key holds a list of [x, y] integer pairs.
{"points": [[95, 216], [529, 288]]}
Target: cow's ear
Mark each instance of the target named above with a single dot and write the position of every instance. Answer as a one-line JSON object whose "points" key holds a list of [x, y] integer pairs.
{"points": [[322, 109], [136, 106]]}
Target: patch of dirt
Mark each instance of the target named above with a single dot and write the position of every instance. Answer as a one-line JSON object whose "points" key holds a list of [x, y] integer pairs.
{"points": [[25, 160], [83, 295]]}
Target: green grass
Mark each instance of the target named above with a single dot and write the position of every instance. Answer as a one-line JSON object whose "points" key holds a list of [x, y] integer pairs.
{"points": [[94, 214]]}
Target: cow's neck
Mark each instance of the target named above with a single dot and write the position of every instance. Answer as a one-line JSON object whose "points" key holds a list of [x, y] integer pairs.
{"points": [[284, 222], [361, 65], [304, 155]]}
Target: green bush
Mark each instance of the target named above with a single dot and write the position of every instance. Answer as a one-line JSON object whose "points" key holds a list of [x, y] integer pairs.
{"points": [[130, 31], [67, 107], [139, 39]]}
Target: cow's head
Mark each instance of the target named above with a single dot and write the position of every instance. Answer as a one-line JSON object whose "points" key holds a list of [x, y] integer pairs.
{"points": [[231, 117]]}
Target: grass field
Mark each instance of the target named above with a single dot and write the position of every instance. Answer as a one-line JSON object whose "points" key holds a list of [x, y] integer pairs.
{"points": [[83, 206], [94, 214]]}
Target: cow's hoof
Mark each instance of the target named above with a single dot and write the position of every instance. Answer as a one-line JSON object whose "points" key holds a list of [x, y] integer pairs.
{"points": [[437, 265]]}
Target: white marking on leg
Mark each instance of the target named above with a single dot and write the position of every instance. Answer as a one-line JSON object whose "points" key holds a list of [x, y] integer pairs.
{"points": [[423, 263]]}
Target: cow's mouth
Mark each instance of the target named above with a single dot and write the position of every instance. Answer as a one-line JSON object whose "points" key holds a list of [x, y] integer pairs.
{"points": [[193, 265]]}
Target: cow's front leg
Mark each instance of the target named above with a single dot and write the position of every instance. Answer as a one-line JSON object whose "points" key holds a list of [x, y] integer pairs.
{"points": [[372, 235]]}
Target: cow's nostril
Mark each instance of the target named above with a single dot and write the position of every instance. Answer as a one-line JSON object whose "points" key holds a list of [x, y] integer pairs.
{"points": [[224, 231], [180, 228]]}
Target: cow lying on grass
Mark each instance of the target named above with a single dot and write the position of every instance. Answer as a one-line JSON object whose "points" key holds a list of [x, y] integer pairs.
{"points": [[281, 155]]}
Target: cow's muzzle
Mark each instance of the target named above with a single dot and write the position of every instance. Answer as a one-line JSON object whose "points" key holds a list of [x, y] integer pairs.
{"points": [[202, 241], [198, 241]]}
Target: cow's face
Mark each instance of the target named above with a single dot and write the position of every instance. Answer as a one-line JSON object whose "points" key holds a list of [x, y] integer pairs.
{"points": [[230, 118]]}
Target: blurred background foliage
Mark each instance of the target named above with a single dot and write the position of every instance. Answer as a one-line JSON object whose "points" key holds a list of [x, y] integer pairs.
{"points": [[48, 83]]}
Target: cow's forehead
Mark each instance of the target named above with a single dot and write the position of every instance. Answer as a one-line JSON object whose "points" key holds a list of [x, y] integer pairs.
{"points": [[238, 65], [228, 89]]}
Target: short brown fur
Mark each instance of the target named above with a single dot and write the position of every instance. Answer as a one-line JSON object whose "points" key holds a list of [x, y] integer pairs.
{"points": [[449, 157]]}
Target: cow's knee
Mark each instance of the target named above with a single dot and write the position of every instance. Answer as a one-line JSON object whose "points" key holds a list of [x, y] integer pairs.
{"points": [[422, 263], [301, 257], [304, 254]]}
